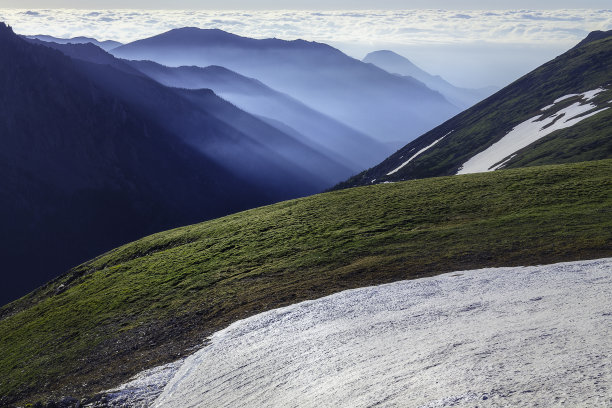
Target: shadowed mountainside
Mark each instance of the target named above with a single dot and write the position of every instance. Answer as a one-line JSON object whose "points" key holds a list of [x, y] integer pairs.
{"points": [[93, 156]]}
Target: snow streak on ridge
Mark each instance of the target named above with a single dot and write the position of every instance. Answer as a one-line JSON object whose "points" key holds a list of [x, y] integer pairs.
{"points": [[418, 153]]}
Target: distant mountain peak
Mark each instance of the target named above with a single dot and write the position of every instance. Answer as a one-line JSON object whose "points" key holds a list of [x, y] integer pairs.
{"points": [[197, 36], [390, 56], [202, 32], [397, 64], [194, 36]]}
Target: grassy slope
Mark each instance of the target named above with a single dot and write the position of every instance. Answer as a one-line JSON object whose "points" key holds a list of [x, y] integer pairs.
{"points": [[149, 301], [580, 69]]}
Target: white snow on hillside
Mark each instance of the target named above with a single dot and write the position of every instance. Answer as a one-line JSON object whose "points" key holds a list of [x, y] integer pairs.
{"points": [[591, 94], [418, 153], [142, 390], [522, 336], [532, 130]]}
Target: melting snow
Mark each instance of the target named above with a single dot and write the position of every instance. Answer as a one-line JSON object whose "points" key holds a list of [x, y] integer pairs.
{"points": [[547, 107], [500, 165], [142, 390], [417, 153], [588, 95], [530, 131], [564, 98], [522, 336]]}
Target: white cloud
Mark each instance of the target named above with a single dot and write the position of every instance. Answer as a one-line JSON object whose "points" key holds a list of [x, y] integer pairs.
{"points": [[457, 45], [379, 26]]}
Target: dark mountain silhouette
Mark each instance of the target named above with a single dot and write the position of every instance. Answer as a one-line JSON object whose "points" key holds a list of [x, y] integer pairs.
{"points": [[396, 64], [560, 112], [93, 156], [387, 107], [105, 45]]}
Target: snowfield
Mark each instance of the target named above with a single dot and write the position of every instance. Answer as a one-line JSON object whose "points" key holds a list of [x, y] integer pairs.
{"points": [[524, 134], [521, 336]]}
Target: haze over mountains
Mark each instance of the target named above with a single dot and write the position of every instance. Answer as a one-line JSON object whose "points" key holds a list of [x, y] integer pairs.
{"points": [[94, 156], [396, 64], [347, 145], [359, 95]]}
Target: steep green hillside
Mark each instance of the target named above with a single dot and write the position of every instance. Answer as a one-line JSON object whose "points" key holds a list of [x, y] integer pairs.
{"points": [[153, 300], [586, 67]]}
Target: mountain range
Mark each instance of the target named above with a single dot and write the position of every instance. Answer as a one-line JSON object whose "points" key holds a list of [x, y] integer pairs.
{"points": [[105, 45], [352, 149], [346, 145], [386, 107], [94, 155], [558, 113]]}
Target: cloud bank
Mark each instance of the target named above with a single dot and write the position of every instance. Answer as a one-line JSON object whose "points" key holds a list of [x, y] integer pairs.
{"points": [[454, 44], [365, 27]]}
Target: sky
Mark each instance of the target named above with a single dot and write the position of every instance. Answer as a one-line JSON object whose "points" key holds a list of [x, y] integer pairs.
{"points": [[468, 47], [307, 4]]}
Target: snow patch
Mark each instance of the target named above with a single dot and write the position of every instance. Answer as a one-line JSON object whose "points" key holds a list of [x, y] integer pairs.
{"points": [[418, 153], [564, 98], [521, 336], [142, 390], [588, 95], [530, 131], [547, 107], [500, 165]]}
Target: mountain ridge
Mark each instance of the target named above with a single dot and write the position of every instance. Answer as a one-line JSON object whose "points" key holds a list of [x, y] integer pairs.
{"points": [[105, 45], [547, 95], [349, 146], [362, 96]]}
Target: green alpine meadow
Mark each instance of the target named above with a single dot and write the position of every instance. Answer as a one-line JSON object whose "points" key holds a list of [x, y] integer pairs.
{"points": [[156, 299]]}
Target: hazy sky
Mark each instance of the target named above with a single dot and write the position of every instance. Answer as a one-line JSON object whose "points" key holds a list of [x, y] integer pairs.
{"points": [[470, 48], [307, 4]]}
